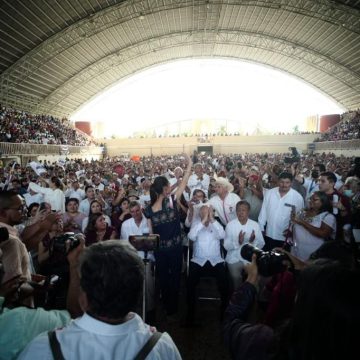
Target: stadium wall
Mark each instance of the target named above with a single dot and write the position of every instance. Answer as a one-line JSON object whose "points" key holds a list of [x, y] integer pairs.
{"points": [[220, 144]]}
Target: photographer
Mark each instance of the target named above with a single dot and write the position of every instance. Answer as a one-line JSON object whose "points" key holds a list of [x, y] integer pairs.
{"points": [[52, 258], [18, 326], [326, 300], [111, 279]]}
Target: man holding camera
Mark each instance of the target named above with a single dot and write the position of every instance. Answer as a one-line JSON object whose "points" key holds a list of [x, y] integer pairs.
{"points": [[111, 280], [19, 325]]}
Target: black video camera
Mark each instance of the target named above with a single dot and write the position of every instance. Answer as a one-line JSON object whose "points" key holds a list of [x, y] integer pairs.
{"points": [[269, 263], [60, 243]]}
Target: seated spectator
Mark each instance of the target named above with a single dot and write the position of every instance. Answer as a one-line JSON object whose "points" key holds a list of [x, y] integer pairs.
{"points": [[118, 217], [206, 235], [98, 230], [95, 208], [21, 127], [73, 218], [91, 195], [111, 278]]}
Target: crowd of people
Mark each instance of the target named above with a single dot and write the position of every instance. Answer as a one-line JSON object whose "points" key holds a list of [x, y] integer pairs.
{"points": [[228, 216], [22, 127], [346, 129], [206, 137]]}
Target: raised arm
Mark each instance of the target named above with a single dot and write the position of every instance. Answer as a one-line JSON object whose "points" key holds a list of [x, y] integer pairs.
{"points": [[185, 179]]}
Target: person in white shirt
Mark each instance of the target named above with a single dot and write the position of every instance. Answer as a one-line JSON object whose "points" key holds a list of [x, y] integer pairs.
{"points": [[33, 197], [206, 260], [52, 195], [97, 183], [91, 195], [137, 225], [224, 202], [311, 184], [193, 214], [111, 279], [199, 180], [276, 210], [144, 197], [75, 191], [176, 181], [238, 232]]}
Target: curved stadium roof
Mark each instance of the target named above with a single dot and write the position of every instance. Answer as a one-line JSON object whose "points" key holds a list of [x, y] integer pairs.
{"points": [[58, 54]]}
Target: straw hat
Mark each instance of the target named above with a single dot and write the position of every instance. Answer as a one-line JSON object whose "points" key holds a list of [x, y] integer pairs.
{"points": [[224, 182]]}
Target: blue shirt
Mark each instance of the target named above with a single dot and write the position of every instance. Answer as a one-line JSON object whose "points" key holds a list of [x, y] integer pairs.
{"points": [[20, 325]]}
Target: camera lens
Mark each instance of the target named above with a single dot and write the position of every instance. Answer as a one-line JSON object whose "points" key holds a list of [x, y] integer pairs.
{"points": [[269, 263], [248, 250]]}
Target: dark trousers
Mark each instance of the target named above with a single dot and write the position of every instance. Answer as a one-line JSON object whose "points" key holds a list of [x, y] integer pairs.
{"points": [[195, 273], [168, 271], [272, 243]]}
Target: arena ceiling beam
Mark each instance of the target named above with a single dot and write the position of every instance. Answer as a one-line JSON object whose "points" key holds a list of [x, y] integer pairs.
{"points": [[316, 41]]}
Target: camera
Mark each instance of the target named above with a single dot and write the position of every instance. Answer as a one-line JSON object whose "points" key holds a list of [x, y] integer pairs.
{"points": [[269, 263], [60, 243]]}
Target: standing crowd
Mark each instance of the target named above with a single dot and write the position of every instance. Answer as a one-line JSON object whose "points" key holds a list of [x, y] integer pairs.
{"points": [[66, 253]]}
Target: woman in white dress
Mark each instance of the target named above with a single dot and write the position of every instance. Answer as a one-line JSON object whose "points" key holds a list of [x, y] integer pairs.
{"points": [[313, 226]]}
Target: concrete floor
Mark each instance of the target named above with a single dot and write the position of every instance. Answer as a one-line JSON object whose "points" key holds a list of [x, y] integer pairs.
{"points": [[202, 342]]}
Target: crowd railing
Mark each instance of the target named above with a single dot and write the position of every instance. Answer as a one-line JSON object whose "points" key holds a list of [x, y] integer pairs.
{"points": [[42, 149]]}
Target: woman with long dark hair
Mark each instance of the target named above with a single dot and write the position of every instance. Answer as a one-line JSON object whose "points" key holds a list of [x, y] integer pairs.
{"points": [[98, 230], [121, 214], [164, 219], [95, 208]]}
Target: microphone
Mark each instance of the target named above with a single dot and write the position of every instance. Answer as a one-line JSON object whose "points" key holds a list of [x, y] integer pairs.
{"points": [[293, 207]]}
